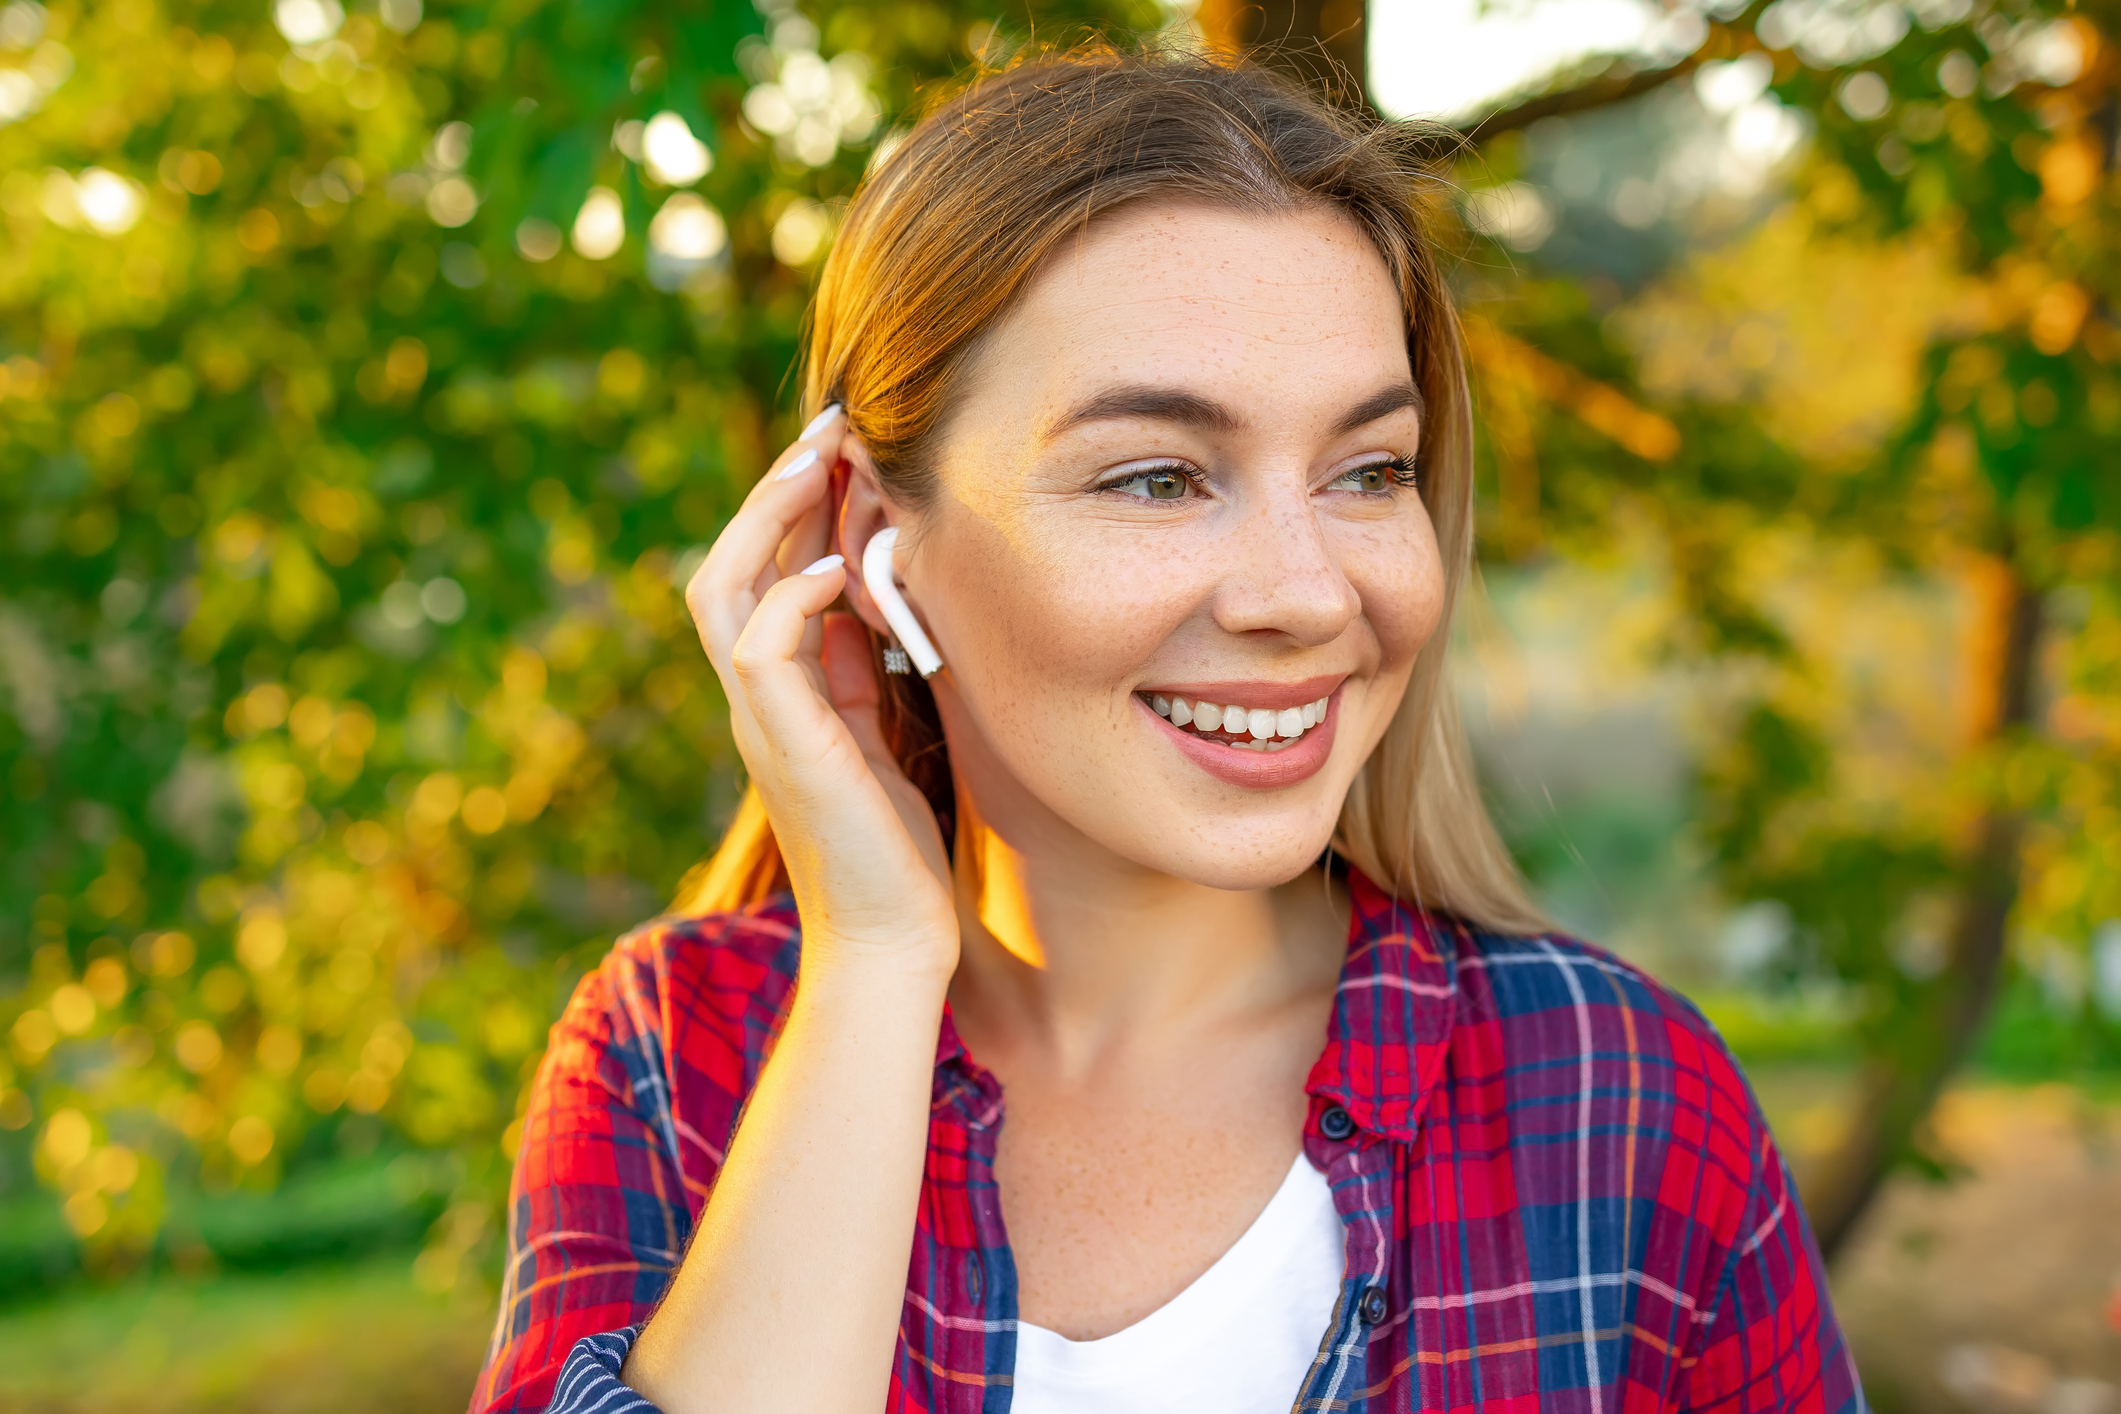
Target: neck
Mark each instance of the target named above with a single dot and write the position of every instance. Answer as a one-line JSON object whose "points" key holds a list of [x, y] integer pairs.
{"points": [[1075, 953]]}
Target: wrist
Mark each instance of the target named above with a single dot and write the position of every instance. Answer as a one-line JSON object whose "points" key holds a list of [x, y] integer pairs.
{"points": [[867, 971], [916, 946]]}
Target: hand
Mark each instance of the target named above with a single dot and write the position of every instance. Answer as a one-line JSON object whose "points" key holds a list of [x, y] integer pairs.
{"points": [[861, 845]]}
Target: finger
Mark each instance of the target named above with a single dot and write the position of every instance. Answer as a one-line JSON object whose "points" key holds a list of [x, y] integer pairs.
{"points": [[744, 561], [793, 491], [808, 539], [779, 692], [822, 436], [782, 498], [810, 536], [815, 451]]}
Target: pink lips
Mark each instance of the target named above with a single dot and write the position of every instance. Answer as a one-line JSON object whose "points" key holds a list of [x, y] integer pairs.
{"points": [[1258, 770]]}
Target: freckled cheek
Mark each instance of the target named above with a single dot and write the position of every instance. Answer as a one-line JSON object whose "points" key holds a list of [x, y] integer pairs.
{"points": [[1061, 633], [1400, 582]]}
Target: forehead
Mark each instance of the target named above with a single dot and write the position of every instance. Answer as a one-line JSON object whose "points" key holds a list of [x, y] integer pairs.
{"points": [[1288, 306]]}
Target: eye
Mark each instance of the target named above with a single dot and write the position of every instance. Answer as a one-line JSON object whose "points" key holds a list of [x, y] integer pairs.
{"points": [[1155, 483], [1377, 478]]}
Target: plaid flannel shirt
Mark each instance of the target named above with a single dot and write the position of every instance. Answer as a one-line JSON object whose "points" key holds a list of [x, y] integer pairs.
{"points": [[1559, 1193]]}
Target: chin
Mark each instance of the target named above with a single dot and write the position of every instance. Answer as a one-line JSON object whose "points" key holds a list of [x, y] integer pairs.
{"points": [[1243, 859]]}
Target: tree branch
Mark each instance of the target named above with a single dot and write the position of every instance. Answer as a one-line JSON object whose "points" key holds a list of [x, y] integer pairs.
{"points": [[1620, 81], [1600, 92]]}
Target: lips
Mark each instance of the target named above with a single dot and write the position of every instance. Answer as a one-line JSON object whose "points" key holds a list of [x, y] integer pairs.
{"points": [[1254, 754]]}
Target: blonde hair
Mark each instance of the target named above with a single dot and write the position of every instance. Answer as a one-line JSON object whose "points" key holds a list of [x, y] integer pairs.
{"points": [[942, 238]]}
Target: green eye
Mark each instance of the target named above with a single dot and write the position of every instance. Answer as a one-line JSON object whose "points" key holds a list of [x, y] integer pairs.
{"points": [[1373, 479], [1161, 484]]}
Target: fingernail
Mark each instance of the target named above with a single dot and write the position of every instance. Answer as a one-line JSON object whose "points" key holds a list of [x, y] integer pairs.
{"points": [[830, 562], [817, 424], [797, 467]]}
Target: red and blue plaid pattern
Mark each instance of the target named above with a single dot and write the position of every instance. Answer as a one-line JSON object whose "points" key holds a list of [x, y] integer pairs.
{"points": [[1559, 1193]]}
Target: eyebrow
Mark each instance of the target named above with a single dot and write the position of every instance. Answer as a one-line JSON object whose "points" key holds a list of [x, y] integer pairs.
{"points": [[1382, 403], [1155, 404]]}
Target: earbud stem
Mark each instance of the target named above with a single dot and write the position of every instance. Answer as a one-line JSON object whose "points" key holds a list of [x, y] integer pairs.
{"points": [[882, 582]]}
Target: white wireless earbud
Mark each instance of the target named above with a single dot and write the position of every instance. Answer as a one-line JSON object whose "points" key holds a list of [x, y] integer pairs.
{"points": [[882, 583]]}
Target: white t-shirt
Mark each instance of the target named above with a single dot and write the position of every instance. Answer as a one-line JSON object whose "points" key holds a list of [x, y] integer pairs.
{"points": [[1237, 1341]]}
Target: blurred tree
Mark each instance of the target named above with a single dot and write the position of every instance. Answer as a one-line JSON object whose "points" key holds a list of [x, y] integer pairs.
{"points": [[1965, 157], [1991, 134], [367, 381], [1321, 42], [364, 380]]}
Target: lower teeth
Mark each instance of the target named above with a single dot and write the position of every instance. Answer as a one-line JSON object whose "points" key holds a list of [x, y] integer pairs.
{"points": [[1241, 744]]}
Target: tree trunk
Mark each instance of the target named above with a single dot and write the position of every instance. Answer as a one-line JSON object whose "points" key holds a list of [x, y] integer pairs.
{"points": [[1320, 42], [1896, 1092]]}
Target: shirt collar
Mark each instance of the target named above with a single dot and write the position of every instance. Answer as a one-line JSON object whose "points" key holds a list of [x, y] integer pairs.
{"points": [[1390, 1031], [962, 1082], [1385, 1044]]}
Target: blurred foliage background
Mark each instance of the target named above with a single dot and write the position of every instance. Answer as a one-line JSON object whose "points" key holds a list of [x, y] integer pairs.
{"points": [[370, 380]]}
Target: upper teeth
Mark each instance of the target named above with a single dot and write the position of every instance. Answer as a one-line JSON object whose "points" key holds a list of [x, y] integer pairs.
{"points": [[1260, 723]]}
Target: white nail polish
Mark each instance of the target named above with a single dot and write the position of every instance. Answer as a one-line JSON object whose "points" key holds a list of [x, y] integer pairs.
{"points": [[817, 424], [830, 562], [797, 467]]}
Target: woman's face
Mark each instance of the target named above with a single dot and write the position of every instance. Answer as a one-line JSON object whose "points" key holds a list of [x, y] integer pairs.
{"points": [[1180, 472]]}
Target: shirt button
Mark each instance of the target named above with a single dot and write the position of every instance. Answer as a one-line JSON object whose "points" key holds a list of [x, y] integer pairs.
{"points": [[1374, 1306], [1335, 1123]]}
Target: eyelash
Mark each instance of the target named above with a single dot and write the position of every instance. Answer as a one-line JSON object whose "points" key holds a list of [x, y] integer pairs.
{"points": [[1404, 471], [1195, 477], [1404, 474]]}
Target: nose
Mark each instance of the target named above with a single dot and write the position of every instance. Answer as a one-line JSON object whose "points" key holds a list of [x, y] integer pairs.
{"points": [[1283, 574]]}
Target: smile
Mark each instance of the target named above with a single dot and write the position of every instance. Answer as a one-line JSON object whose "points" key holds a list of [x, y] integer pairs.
{"points": [[1261, 735], [1243, 728]]}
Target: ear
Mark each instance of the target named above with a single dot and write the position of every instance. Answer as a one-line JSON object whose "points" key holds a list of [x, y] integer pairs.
{"points": [[864, 510]]}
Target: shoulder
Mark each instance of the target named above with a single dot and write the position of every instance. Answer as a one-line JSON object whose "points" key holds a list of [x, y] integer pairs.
{"points": [[711, 958], [707, 991], [1559, 1018], [1618, 1101], [1559, 991]]}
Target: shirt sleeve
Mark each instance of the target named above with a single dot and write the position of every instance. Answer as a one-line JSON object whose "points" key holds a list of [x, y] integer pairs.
{"points": [[1771, 1344], [589, 1381], [598, 1216]]}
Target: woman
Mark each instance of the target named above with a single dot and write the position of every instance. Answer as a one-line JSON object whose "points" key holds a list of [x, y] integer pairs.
{"points": [[1149, 366]]}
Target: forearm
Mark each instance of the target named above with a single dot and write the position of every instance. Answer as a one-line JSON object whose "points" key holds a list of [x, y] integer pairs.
{"points": [[790, 1294]]}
